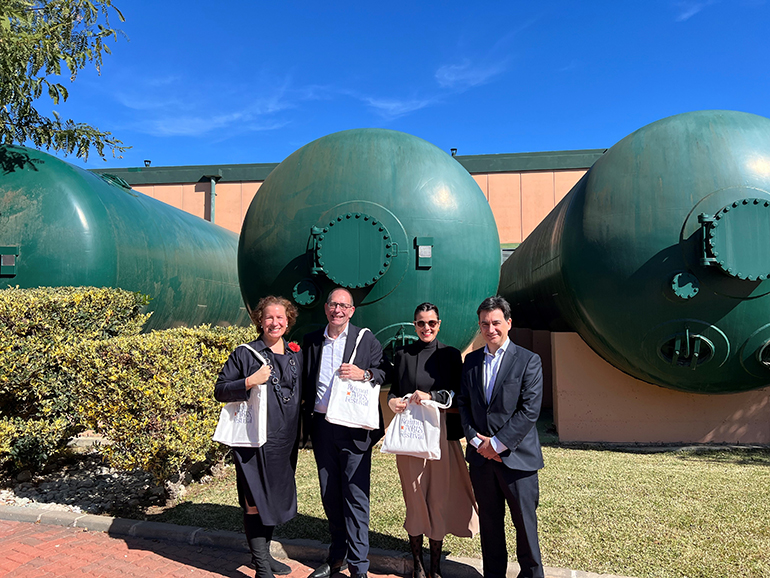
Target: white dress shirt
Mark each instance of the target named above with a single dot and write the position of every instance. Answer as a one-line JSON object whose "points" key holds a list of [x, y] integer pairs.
{"points": [[491, 367], [331, 359]]}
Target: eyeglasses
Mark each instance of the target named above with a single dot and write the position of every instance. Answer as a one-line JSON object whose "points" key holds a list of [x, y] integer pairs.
{"points": [[432, 324], [344, 306]]}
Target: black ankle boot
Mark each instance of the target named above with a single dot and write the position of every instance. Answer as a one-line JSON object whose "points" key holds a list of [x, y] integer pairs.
{"points": [[256, 536], [278, 568], [415, 545], [435, 557]]}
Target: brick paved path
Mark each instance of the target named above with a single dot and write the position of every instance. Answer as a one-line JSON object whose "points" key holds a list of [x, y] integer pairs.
{"points": [[40, 551]]}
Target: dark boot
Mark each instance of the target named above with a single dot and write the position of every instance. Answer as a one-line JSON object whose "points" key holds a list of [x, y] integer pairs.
{"points": [[278, 568], [415, 545], [256, 536], [435, 557]]}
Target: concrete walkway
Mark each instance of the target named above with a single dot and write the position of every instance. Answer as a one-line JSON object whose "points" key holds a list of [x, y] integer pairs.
{"points": [[38, 543]]}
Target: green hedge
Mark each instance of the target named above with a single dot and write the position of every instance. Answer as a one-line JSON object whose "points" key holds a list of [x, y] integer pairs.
{"points": [[71, 312], [152, 395], [74, 358]]}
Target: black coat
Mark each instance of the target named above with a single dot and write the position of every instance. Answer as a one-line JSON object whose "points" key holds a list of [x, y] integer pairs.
{"points": [[441, 371]]}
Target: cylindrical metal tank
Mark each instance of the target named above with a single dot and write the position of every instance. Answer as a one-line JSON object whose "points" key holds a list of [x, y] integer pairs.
{"points": [[385, 214], [61, 225], [660, 256]]}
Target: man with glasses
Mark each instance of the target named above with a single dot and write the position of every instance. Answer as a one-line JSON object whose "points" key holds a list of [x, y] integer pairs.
{"points": [[343, 454], [501, 393]]}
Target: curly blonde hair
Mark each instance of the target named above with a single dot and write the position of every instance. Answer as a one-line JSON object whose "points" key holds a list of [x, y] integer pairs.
{"points": [[258, 314]]}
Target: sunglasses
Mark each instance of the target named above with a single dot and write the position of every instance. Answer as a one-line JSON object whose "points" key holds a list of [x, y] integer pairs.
{"points": [[432, 324]]}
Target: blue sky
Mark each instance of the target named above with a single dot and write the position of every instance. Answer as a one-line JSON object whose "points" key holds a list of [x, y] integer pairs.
{"points": [[250, 82]]}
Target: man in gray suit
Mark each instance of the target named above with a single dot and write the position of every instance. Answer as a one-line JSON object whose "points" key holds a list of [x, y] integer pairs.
{"points": [[502, 388]]}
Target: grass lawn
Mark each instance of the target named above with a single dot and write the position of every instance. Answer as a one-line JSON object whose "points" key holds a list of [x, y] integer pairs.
{"points": [[687, 513]]}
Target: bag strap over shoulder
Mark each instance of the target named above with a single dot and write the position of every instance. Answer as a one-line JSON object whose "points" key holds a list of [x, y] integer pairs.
{"points": [[358, 340], [256, 353]]}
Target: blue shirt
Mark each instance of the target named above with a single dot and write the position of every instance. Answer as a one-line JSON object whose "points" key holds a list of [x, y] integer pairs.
{"points": [[491, 367]]}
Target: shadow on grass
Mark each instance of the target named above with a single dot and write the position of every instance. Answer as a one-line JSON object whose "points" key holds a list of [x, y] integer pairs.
{"points": [[730, 455], [712, 453], [222, 517], [208, 516]]}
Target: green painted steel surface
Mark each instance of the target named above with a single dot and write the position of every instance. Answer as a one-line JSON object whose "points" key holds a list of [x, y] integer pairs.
{"points": [[386, 214], [659, 256], [74, 227]]}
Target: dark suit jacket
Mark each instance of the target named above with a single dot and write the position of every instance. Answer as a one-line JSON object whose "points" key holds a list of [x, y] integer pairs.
{"points": [[369, 356], [512, 411]]}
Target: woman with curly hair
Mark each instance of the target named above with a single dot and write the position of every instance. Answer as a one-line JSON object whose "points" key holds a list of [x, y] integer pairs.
{"points": [[265, 475]]}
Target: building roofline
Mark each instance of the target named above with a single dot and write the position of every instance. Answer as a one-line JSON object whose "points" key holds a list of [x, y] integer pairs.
{"points": [[474, 164]]}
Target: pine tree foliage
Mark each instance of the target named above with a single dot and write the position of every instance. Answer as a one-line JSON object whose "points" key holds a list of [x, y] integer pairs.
{"points": [[41, 43]]}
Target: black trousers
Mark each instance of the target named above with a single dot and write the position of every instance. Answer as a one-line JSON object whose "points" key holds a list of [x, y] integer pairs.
{"points": [[344, 472], [494, 484]]}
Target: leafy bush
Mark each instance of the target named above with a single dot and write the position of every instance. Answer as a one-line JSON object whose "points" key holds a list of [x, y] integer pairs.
{"points": [[33, 442], [71, 312], [152, 395], [74, 358], [37, 327]]}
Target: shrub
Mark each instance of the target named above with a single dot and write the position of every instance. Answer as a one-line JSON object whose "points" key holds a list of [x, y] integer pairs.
{"points": [[31, 443], [72, 312], [37, 328], [152, 395], [74, 358]]}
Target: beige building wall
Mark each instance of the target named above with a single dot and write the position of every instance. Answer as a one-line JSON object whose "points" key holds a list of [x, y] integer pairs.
{"points": [[519, 201], [595, 402], [230, 206]]}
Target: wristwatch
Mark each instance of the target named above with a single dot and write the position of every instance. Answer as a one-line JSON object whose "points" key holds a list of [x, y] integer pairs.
{"points": [[367, 375]]}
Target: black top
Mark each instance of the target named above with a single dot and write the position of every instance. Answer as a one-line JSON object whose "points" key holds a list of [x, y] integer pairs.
{"points": [[434, 368]]}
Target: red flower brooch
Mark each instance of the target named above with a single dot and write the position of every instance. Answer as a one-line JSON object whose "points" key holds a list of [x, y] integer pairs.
{"points": [[294, 346]]}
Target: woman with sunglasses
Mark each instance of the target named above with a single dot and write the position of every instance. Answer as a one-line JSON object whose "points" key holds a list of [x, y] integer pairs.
{"points": [[438, 493]]}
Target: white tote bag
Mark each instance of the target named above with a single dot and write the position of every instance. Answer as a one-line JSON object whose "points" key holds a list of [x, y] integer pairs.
{"points": [[243, 424], [354, 403], [416, 431]]}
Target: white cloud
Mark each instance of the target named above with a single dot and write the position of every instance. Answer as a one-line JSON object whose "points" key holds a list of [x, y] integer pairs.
{"points": [[157, 109], [688, 9], [466, 75], [394, 108], [199, 126]]}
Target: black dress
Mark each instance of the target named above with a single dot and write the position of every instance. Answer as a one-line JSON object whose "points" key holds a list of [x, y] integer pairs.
{"points": [[265, 475]]}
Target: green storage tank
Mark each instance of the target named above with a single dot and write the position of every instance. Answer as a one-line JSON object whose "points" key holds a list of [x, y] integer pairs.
{"points": [[385, 214], [61, 225], [660, 256]]}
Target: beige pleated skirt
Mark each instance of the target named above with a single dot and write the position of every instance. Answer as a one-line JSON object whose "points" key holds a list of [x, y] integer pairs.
{"points": [[438, 493]]}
